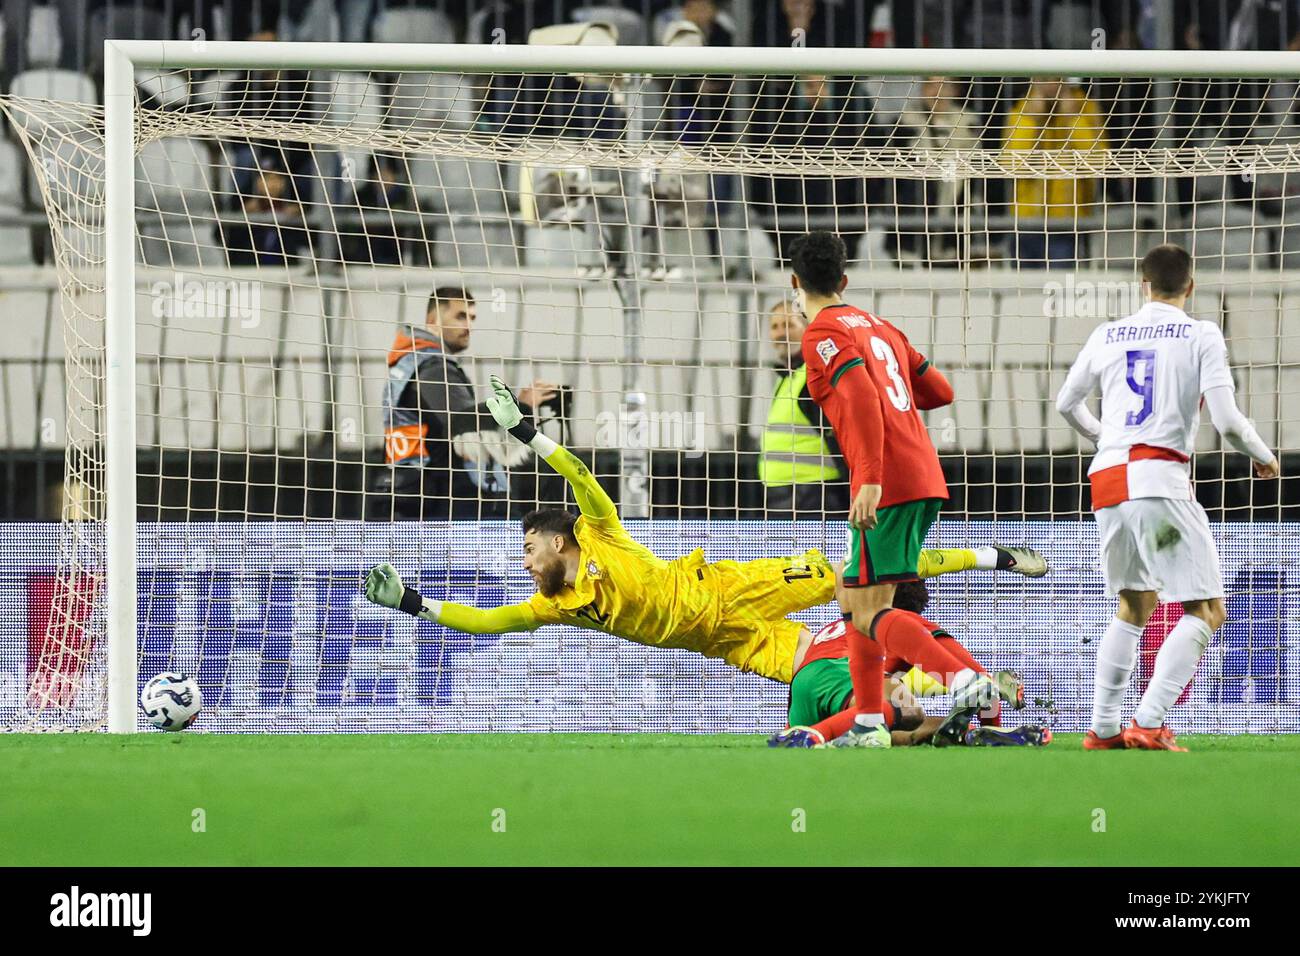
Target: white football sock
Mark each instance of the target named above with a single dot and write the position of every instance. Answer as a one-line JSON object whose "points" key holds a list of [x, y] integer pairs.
{"points": [[1175, 666], [1115, 659], [986, 558], [962, 678], [869, 720]]}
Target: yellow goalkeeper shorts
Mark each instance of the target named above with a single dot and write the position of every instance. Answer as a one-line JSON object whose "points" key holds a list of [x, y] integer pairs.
{"points": [[753, 632]]}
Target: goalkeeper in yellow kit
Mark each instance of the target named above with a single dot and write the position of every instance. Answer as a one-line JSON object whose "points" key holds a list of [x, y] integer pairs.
{"points": [[590, 573]]}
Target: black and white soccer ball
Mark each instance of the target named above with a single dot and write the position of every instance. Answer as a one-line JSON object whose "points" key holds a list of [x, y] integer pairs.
{"points": [[171, 701]]}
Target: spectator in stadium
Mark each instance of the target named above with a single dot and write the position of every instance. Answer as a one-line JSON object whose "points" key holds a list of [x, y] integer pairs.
{"points": [[273, 230], [704, 14], [801, 468], [444, 456], [375, 238], [937, 118], [1055, 114]]}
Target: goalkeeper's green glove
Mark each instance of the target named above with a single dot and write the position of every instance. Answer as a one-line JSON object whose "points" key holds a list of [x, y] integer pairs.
{"points": [[507, 412], [384, 587]]}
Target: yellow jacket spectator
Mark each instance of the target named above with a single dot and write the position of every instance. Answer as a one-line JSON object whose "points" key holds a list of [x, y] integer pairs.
{"points": [[1054, 115]]}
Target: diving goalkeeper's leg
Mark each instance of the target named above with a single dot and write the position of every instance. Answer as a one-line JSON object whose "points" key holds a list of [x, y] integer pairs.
{"points": [[1026, 561]]}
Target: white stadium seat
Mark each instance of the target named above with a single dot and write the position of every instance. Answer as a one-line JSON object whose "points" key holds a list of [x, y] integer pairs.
{"points": [[44, 38], [50, 83]]}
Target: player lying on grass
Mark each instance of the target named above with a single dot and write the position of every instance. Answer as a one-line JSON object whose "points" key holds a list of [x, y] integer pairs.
{"points": [[591, 573], [821, 695]]}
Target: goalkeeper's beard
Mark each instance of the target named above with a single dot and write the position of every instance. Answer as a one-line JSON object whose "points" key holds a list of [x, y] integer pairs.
{"points": [[549, 577]]}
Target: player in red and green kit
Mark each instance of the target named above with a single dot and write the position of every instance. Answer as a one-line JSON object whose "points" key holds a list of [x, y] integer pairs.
{"points": [[822, 705], [871, 384]]}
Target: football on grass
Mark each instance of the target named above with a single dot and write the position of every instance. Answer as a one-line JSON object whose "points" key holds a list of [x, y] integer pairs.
{"points": [[171, 701]]}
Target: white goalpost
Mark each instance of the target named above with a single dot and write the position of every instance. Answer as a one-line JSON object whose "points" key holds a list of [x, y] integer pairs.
{"points": [[249, 236]]}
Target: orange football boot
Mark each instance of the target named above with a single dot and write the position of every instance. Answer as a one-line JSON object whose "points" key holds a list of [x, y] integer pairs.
{"points": [[1092, 742], [1142, 738]]}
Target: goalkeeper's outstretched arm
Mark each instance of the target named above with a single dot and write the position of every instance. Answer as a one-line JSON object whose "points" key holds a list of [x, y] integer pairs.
{"points": [[384, 587], [590, 496]]}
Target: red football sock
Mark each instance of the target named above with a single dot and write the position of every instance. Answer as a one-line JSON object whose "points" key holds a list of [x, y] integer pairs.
{"points": [[837, 724], [994, 718], [867, 668], [904, 634], [957, 650]]}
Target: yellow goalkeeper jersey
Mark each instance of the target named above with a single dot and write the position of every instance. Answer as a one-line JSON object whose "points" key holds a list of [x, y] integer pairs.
{"points": [[732, 610], [622, 588]]}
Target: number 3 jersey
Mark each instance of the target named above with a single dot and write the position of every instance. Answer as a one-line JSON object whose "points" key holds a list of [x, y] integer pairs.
{"points": [[1152, 369], [888, 446]]}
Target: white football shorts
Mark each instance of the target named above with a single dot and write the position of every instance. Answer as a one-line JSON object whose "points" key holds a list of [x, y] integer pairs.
{"points": [[1159, 544]]}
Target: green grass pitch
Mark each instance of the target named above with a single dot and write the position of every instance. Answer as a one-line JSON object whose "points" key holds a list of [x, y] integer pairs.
{"points": [[638, 799]]}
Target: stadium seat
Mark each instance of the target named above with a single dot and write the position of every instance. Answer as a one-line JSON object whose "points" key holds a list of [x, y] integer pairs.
{"points": [[208, 90], [464, 242], [1021, 334], [567, 247], [176, 215], [76, 166], [967, 413], [31, 393], [318, 23], [871, 250], [424, 100], [301, 400], [1070, 26], [44, 38], [433, 101], [1019, 395], [476, 230], [1003, 422], [598, 388], [12, 163], [126, 22], [1288, 235], [1260, 400], [1253, 324], [411, 25], [1060, 436], [50, 83], [1226, 235], [15, 240], [1289, 398], [677, 332], [163, 90], [631, 26], [1115, 244], [355, 103], [1289, 337], [466, 187]]}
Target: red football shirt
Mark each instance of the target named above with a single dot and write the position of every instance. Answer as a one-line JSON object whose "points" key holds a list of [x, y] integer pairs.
{"points": [[870, 382], [831, 642]]}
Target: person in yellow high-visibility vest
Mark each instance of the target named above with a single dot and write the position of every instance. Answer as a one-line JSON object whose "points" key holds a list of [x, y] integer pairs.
{"points": [[800, 465]]}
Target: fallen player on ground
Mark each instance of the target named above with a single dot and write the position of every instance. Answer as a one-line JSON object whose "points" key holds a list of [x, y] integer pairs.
{"points": [[591, 573], [822, 705]]}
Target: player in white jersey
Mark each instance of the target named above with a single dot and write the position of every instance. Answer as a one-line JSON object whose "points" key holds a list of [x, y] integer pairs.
{"points": [[1153, 369]]}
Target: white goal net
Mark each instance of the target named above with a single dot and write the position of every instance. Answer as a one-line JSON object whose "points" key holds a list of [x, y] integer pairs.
{"points": [[304, 237]]}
